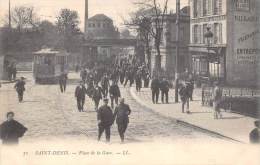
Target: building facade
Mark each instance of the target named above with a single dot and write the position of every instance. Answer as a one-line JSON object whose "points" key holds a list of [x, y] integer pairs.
{"points": [[101, 27], [168, 44], [231, 53]]}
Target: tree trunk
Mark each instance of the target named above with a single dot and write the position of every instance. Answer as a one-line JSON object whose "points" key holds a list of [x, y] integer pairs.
{"points": [[158, 58], [148, 52]]}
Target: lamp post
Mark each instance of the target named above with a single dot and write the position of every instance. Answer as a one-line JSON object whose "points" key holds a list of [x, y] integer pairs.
{"points": [[9, 15], [177, 50], [208, 35]]}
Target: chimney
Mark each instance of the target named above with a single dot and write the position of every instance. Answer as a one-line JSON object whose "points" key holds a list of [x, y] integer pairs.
{"points": [[86, 15]]}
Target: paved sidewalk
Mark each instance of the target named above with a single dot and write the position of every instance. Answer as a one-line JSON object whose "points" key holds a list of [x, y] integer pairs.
{"points": [[234, 126]]}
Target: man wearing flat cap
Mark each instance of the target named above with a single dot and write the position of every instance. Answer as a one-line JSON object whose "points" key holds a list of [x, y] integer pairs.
{"points": [[255, 134], [105, 120], [11, 130], [20, 88]]}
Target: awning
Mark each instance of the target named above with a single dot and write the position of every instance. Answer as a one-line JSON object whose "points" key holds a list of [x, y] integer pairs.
{"points": [[207, 51]]}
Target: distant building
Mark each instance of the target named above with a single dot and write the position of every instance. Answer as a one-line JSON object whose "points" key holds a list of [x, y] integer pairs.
{"points": [[168, 44], [103, 43], [232, 53], [101, 27]]}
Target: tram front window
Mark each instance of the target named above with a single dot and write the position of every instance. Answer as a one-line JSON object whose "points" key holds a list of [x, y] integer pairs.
{"points": [[47, 60]]}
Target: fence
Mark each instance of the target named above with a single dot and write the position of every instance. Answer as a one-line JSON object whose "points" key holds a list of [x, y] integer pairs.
{"points": [[207, 94]]}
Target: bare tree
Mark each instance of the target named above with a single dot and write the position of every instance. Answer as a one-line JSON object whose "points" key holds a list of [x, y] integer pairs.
{"points": [[24, 17], [68, 27], [149, 21]]}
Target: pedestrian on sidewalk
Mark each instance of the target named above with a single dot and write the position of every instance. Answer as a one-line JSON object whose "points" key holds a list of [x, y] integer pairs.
{"points": [[105, 120], [155, 87], [164, 87], [97, 95], [114, 93], [138, 81], [121, 114], [11, 130], [146, 79], [190, 86], [20, 88], [217, 95], [184, 94], [254, 135], [63, 82], [80, 94]]}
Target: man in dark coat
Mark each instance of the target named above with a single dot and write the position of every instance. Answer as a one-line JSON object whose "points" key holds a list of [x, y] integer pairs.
{"points": [[80, 93], [122, 76], [11, 130], [63, 82], [164, 87], [254, 135], [20, 88], [146, 79], [97, 95], [105, 120], [114, 93], [127, 77], [217, 97], [190, 86], [121, 114], [105, 84], [184, 94], [138, 81], [155, 87]]}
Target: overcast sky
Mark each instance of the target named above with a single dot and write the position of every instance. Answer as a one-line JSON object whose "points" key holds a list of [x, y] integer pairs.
{"points": [[49, 9]]}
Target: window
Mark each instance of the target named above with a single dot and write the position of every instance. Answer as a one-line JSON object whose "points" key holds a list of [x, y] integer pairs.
{"points": [[204, 30], [200, 66], [243, 5], [98, 25], [195, 8], [217, 7], [217, 33], [215, 70], [206, 7], [195, 34]]}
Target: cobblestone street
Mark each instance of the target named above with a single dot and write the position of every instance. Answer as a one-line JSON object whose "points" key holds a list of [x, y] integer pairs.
{"points": [[48, 114]]}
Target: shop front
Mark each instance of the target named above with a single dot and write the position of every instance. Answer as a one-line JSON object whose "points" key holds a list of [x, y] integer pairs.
{"points": [[208, 64]]}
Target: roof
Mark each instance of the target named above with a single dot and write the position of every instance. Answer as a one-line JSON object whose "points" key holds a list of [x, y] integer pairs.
{"points": [[100, 17], [46, 51]]}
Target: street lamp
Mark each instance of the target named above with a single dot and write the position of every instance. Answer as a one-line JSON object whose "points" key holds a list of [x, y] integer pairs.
{"points": [[177, 50], [208, 35]]}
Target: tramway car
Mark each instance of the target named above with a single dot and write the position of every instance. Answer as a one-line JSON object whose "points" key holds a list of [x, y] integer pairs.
{"points": [[48, 65]]}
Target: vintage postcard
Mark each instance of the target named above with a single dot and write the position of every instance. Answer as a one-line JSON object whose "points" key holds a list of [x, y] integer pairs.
{"points": [[123, 82]]}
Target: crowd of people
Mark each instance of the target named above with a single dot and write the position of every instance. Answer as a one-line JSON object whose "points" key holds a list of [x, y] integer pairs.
{"points": [[102, 83]]}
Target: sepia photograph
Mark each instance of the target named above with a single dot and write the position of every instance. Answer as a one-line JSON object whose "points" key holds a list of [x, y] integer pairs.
{"points": [[123, 82]]}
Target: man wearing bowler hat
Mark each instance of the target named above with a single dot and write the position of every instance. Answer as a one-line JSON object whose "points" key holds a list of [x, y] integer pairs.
{"points": [[105, 120]]}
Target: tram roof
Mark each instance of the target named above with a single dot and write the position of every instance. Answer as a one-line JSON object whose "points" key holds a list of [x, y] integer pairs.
{"points": [[49, 52]]}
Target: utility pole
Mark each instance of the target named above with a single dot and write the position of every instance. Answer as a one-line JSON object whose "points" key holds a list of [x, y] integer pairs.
{"points": [[10, 14], [177, 51]]}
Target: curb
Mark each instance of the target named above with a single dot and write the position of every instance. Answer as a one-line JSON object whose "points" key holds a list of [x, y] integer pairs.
{"points": [[178, 121]]}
